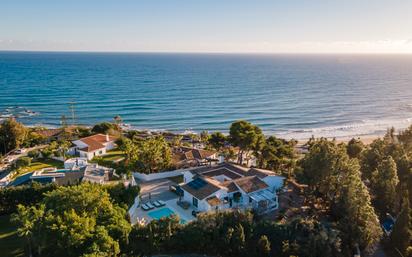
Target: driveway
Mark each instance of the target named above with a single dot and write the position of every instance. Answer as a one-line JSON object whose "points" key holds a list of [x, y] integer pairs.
{"points": [[13, 157]]}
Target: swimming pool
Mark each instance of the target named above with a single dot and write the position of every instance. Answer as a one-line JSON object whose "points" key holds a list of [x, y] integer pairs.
{"points": [[163, 213]]}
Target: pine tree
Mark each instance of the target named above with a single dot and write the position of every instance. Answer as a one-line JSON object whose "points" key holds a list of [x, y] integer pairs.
{"points": [[357, 219], [401, 235], [263, 246], [238, 240], [384, 182]]}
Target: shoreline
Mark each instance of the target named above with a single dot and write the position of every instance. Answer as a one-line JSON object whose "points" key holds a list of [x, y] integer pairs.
{"points": [[366, 138]]}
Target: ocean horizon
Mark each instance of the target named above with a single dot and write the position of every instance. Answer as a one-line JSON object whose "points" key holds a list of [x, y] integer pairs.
{"points": [[288, 95]]}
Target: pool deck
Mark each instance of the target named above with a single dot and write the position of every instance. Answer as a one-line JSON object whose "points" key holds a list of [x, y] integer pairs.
{"points": [[141, 216]]}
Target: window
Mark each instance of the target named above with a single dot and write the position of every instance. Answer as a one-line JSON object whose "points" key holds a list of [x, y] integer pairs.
{"points": [[195, 202]]}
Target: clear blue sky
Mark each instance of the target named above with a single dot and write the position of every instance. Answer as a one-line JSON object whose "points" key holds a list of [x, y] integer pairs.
{"points": [[207, 25]]}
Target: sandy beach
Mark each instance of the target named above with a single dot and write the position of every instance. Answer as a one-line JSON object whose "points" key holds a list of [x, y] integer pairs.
{"points": [[367, 139]]}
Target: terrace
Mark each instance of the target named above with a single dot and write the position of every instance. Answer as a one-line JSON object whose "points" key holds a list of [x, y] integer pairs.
{"points": [[158, 190]]}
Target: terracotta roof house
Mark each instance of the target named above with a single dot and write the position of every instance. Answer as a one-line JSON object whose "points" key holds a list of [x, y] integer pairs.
{"points": [[227, 185], [191, 157], [92, 146], [56, 133], [50, 134]]}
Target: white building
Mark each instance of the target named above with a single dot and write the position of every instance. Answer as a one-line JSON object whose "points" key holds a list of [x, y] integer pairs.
{"points": [[230, 186], [95, 173], [92, 146], [75, 163]]}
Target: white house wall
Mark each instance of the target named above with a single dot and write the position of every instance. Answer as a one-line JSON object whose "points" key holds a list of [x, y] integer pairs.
{"points": [[274, 182], [222, 178], [80, 144], [203, 205], [187, 177], [110, 145]]}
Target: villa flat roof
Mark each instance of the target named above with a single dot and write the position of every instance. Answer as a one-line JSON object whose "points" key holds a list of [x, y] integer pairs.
{"points": [[234, 169], [250, 184], [200, 188], [222, 171]]}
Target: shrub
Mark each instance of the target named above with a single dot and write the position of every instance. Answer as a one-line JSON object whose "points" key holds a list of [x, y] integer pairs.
{"points": [[23, 162], [33, 154], [31, 194]]}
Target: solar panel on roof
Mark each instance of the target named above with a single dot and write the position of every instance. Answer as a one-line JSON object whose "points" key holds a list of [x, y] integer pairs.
{"points": [[197, 183]]}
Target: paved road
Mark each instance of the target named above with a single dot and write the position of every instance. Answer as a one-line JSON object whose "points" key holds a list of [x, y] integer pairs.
{"points": [[13, 157], [4, 172]]}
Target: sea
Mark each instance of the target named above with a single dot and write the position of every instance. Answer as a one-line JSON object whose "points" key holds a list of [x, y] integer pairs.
{"points": [[290, 96]]}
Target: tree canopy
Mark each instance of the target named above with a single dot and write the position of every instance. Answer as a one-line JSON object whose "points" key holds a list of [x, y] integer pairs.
{"points": [[354, 148], [217, 140], [401, 236], [75, 221], [106, 128], [276, 154], [12, 135], [384, 182], [235, 233], [246, 136], [337, 179]]}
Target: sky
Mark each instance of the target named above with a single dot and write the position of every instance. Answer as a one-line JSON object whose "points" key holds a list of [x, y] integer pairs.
{"points": [[224, 26]]}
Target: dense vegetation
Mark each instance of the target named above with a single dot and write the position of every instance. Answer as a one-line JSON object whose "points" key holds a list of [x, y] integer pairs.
{"points": [[74, 221], [25, 195], [235, 234], [12, 135], [149, 155], [352, 189], [31, 194]]}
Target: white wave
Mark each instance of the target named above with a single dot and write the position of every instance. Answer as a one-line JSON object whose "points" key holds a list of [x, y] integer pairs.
{"points": [[364, 128]]}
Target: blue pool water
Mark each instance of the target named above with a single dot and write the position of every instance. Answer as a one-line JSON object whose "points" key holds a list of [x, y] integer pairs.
{"points": [[163, 213], [24, 179]]}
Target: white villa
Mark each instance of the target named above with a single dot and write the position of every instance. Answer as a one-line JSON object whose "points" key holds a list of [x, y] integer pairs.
{"points": [[92, 146], [95, 173], [227, 185], [75, 163]]}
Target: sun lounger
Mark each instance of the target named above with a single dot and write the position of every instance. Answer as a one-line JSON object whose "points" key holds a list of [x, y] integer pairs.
{"points": [[150, 205], [157, 204], [161, 202], [145, 207]]}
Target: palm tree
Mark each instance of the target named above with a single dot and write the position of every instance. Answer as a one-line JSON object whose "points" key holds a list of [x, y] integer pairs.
{"points": [[64, 147], [26, 218]]}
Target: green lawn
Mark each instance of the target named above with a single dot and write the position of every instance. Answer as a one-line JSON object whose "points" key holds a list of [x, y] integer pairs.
{"points": [[40, 164], [113, 155], [44, 163], [10, 243]]}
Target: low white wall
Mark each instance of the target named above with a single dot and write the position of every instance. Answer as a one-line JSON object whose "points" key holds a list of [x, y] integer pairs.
{"points": [[160, 175], [57, 158]]}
